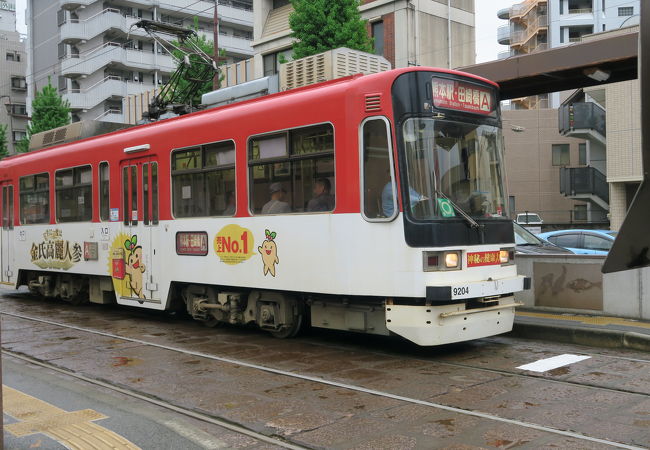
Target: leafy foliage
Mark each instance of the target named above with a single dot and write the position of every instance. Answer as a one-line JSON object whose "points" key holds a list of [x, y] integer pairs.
{"points": [[4, 147], [49, 110], [321, 25]]}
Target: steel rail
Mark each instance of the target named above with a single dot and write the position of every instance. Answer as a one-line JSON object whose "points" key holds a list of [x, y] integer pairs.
{"points": [[351, 387]]}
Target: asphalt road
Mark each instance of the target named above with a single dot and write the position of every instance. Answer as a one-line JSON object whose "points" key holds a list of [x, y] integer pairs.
{"points": [[324, 389]]}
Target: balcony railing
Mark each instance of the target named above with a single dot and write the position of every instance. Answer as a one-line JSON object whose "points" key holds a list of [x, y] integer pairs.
{"points": [[503, 34], [581, 181], [112, 52], [582, 116]]}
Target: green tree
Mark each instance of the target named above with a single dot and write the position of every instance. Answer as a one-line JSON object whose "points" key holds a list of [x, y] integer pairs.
{"points": [[321, 25], [49, 110], [4, 147]]}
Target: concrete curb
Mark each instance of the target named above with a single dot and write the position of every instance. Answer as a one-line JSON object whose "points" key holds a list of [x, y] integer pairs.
{"points": [[592, 337]]}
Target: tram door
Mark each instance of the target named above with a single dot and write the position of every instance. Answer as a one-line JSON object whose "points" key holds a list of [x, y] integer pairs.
{"points": [[7, 233], [140, 224]]}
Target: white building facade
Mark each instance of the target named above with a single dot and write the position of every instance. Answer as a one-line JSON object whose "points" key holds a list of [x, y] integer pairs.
{"points": [[94, 54], [13, 86]]}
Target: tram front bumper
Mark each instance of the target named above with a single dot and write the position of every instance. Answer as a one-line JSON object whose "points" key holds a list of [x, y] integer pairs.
{"points": [[477, 289], [444, 324]]}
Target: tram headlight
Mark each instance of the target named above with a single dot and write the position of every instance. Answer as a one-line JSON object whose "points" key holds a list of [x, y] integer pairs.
{"points": [[507, 256], [451, 260], [435, 261]]}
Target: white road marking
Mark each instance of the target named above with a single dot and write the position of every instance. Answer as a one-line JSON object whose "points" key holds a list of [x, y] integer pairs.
{"points": [[544, 365], [197, 436]]}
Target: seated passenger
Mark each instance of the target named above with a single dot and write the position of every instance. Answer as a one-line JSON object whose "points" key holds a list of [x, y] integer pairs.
{"points": [[323, 200], [276, 205]]}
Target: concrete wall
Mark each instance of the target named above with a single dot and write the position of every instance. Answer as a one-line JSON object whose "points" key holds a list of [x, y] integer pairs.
{"points": [[627, 293], [572, 282]]}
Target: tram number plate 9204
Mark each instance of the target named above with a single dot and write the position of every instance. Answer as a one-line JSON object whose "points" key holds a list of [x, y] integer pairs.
{"points": [[460, 290]]}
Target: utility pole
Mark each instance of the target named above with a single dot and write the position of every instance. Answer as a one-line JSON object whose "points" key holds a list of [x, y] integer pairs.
{"points": [[215, 80]]}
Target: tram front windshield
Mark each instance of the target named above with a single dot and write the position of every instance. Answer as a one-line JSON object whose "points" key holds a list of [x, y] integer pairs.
{"points": [[453, 166]]}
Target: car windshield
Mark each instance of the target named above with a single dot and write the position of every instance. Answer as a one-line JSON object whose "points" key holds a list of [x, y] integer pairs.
{"points": [[525, 237], [612, 233], [528, 218], [451, 166]]}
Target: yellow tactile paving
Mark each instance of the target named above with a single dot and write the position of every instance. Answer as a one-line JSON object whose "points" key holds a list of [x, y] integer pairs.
{"points": [[592, 320], [74, 429]]}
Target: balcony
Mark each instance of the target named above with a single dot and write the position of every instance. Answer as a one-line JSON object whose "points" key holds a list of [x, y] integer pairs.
{"points": [[74, 4], [503, 13], [109, 88], [113, 53], [585, 183], [74, 31], [585, 120], [503, 35]]}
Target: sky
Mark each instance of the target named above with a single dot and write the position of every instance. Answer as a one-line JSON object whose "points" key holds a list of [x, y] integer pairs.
{"points": [[487, 23]]}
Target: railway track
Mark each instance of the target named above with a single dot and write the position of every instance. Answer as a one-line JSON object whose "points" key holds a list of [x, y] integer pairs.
{"points": [[314, 379]]}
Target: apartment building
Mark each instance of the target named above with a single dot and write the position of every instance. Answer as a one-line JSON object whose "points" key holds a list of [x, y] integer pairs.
{"points": [[13, 86], [92, 52], [608, 117], [433, 33], [536, 25]]}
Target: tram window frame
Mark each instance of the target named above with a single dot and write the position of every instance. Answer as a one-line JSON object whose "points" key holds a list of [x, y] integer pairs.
{"points": [[210, 176], [78, 186], [104, 191], [286, 165], [372, 193], [37, 190]]}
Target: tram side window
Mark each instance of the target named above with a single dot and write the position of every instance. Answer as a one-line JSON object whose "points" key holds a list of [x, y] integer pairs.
{"points": [[203, 180], [35, 199], [292, 171], [104, 189], [378, 184], [74, 194]]}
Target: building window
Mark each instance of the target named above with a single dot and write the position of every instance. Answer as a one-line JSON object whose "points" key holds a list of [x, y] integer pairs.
{"points": [[626, 11], [561, 155], [13, 56], [292, 171], [18, 110], [18, 83], [582, 154], [377, 29], [35, 199], [19, 135], [203, 180], [272, 61], [580, 212], [280, 3]]}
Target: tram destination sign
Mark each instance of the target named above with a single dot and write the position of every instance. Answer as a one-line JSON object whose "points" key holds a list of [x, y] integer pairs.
{"points": [[461, 96]]}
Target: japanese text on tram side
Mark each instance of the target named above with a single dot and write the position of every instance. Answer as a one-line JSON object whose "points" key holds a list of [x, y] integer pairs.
{"points": [[54, 252]]}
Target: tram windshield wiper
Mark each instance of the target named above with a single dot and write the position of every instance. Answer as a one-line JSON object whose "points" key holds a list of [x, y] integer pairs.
{"points": [[473, 223]]}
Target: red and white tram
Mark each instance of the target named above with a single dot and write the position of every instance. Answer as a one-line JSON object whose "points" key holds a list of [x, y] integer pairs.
{"points": [[369, 203]]}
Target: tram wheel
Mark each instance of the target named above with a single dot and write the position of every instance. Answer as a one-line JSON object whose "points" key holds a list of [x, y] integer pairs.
{"points": [[291, 331], [211, 323]]}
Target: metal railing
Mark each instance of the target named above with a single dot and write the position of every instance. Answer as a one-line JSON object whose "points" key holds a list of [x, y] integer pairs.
{"points": [[582, 116], [580, 181]]}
